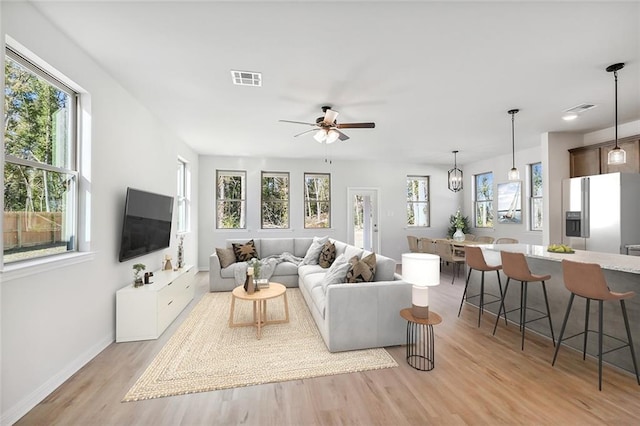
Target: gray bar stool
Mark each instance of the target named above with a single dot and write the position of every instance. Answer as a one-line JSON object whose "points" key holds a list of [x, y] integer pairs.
{"points": [[514, 266], [587, 280], [475, 260]]}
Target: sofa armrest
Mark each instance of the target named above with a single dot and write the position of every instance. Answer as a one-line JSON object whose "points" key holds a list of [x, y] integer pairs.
{"points": [[366, 315]]}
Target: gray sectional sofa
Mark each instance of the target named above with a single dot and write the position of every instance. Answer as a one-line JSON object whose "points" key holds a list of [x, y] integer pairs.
{"points": [[349, 315]]}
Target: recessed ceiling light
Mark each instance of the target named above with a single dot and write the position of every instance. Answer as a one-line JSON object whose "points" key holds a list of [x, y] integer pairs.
{"points": [[246, 78], [573, 112], [570, 116]]}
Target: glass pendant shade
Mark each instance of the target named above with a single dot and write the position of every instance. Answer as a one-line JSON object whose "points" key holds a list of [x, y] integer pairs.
{"points": [[332, 136], [320, 135], [617, 156], [454, 179], [513, 174]]}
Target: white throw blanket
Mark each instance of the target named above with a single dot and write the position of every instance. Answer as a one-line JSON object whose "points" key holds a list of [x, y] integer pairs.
{"points": [[267, 266]]}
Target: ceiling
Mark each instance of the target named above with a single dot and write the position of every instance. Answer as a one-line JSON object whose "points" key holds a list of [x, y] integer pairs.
{"points": [[433, 76]]}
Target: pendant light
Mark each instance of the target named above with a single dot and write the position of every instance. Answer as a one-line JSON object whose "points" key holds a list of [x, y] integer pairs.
{"points": [[617, 154], [455, 175], [514, 174]]}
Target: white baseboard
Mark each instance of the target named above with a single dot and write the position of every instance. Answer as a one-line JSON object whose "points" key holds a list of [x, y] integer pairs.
{"points": [[13, 414]]}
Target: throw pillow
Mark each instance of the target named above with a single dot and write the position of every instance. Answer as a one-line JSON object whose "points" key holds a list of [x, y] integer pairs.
{"points": [[227, 256], [313, 253], [336, 273], [362, 270], [327, 255], [245, 252]]}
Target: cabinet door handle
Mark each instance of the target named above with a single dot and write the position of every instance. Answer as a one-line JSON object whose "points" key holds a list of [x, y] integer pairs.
{"points": [[169, 303], [169, 283]]}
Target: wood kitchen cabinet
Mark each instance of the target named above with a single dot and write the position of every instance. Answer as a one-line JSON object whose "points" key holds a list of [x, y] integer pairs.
{"points": [[592, 159]]}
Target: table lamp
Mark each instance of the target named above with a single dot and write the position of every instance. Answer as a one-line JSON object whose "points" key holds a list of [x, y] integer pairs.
{"points": [[423, 271]]}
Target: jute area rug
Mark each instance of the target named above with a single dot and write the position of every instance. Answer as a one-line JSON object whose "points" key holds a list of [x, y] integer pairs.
{"points": [[205, 354]]}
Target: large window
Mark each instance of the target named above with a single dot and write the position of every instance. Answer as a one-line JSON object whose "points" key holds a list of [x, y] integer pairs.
{"points": [[40, 169], [535, 202], [230, 199], [317, 200], [275, 200], [183, 197], [483, 200], [418, 201]]}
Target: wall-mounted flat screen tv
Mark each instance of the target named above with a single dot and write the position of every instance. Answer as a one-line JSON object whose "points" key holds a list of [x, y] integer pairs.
{"points": [[147, 223]]}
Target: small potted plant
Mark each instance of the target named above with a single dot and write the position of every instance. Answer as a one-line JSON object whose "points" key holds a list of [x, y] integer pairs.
{"points": [[137, 268]]}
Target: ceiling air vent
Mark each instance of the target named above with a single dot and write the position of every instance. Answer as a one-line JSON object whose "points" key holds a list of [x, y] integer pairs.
{"points": [[246, 78], [580, 108]]}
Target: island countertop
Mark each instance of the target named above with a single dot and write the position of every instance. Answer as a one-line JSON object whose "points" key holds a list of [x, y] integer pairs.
{"points": [[611, 261]]}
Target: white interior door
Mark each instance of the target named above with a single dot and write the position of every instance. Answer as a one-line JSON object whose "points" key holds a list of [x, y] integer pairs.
{"points": [[362, 218]]}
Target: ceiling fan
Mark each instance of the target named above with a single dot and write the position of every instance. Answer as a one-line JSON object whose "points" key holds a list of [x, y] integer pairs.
{"points": [[326, 127]]}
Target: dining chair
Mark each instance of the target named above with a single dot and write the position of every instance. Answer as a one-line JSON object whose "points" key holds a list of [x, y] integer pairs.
{"points": [[505, 240], [444, 249], [484, 239], [413, 243]]}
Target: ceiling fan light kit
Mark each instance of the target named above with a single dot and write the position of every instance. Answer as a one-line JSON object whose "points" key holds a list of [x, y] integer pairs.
{"points": [[617, 155], [327, 129], [513, 174], [454, 179]]}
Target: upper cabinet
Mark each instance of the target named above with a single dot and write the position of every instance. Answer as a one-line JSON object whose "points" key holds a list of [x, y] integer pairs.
{"points": [[592, 159]]}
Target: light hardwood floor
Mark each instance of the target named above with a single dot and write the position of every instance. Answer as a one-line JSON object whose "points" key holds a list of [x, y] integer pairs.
{"points": [[478, 379]]}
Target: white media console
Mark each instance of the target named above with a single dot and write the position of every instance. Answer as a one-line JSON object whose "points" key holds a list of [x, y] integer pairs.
{"points": [[144, 313]]}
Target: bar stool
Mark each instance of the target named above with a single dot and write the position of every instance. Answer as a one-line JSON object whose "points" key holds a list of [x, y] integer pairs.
{"points": [[587, 280], [514, 266], [475, 260]]}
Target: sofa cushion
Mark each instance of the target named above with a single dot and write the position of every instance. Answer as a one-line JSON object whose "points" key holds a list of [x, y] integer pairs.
{"points": [[319, 300], [311, 258], [245, 252], [385, 269], [336, 273], [301, 245], [229, 271], [275, 246], [327, 254], [226, 256], [362, 270], [313, 280], [285, 268], [304, 270]]}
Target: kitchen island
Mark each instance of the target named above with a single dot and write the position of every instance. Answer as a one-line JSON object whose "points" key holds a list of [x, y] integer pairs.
{"points": [[622, 273]]}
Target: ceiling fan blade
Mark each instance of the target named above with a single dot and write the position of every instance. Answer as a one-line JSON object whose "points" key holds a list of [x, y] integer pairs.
{"points": [[356, 125], [305, 132], [297, 122], [330, 116], [342, 136]]}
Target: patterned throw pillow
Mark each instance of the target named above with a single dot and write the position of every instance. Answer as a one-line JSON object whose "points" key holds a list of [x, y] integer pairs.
{"points": [[226, 256], [311, 258], [362, 270], [245, 252], [327, 255]]}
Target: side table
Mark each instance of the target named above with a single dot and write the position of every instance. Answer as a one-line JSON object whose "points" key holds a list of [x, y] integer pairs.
{"points": [[420, 344]]}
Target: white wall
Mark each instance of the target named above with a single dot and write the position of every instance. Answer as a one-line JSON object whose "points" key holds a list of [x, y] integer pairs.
{"points": [[389, 178], [54, 322]]}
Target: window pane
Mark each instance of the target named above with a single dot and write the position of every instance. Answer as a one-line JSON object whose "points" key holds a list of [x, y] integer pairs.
{"points": [[484, 187], [39, 216], [182, 198], [484, 200], [275, 200], [536, 180], [417, 200], [484, 214], [38, 118], [317, 200], [536, 214], [230, 202]]}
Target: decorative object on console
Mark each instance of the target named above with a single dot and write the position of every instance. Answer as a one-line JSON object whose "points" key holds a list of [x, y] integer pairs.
{"points": [[249, 285], [617, 155], [514, 174], [180, 251], [167, 263], [147, 276], [423, 271], [137, 279], [455, 175]]}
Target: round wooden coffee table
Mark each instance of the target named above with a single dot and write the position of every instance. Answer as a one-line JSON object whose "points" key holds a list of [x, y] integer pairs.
{"points": [[259, 299]]}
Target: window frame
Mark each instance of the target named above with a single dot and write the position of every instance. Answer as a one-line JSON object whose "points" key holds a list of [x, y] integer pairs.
{"points": [[307, 200], [286, 202], [70, 167], [427, 203], [534, 198], [243, 200], [487, 202], [183, 197]]}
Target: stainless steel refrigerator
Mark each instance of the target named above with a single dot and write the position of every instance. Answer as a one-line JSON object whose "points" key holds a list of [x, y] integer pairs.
{"points": [[602, 212]]}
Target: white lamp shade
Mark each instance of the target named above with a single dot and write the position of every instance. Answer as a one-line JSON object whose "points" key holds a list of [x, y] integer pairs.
{"points": [[421, 269], [320, 135], [332, 136]]}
